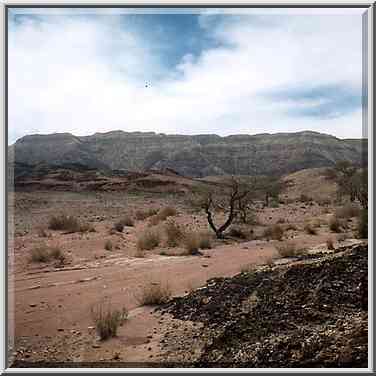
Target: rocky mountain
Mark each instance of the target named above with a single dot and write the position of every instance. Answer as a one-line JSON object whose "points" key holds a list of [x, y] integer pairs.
{"points": [[196, 156]]}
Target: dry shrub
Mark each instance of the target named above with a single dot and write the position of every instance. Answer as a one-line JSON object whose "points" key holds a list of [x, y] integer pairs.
{"points": [[330, 243], [127, 220], [162, 215], [281, 221], [347, 211], [205, 241], [248, 268], [42, 233], [141, 215], [274, 232], [310, 229], [68, 223], [286, 249], [139, 253], [341, 237], [268, 261], [107, 320], [362, 225], [191, 243], [238, 232], [148, 239], [174, 234], [335, 224], [154, 220], [108, 246], [155, 294], [118, 226], [304, 198], [42, 253]]}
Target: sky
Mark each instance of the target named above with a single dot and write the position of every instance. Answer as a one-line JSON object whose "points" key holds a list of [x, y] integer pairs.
{"points": [[185, 71]]}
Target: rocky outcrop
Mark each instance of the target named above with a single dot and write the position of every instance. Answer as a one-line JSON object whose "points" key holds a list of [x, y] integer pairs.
{"points": [[307, 314], [195, 156]]}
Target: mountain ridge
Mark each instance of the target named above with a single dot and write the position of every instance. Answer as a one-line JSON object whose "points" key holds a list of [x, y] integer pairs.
{"points": [[191, 155]]}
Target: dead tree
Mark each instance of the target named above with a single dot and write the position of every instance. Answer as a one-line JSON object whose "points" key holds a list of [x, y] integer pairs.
{"points": [[233, 196]]}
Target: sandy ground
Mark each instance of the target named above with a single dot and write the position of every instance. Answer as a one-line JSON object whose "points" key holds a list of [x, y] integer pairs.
{"points": [[52, 306]]}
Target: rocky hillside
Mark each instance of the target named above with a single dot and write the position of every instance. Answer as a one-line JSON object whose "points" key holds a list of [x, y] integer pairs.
{"points": [[196, 156]]}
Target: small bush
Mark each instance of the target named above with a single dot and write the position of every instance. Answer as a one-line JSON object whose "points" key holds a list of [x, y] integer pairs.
{"points": [[191, 243], [347, 211], [341, 237], [286, 249], [166, 212], [65, 223], [304, 198], [56, 253], [118, 226], [141, 215], [154, 220], [40, 254], [334, 224], [42, 233], [127, 221], [108, 246], [238, 232], [139, 253], [309, 229], [107, 320], [248, 268], [274, 232], [174, 234], [155, 294], [330, 243], [281, 220], [204, 241], [148, 239], [362, 230]]}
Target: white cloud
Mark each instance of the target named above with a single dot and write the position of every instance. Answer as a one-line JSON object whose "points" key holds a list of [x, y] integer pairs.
{"points": [[87, 74]]}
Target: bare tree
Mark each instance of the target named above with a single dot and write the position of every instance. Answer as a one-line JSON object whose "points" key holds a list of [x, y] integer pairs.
{"points": [[345, 172], [229, 200]]}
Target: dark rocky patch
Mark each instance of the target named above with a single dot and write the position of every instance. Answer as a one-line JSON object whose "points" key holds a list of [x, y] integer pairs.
{"points": [[308, 314]]}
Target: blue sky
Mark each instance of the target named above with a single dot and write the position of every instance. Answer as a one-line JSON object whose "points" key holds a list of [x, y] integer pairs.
{"points": [[189, 72]]}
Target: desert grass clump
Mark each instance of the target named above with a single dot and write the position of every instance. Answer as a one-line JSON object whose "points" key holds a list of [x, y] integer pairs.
{"points": [[191, 243], [119, 226], [141, 215], [139, 253], [247, 268], [166, 212], [65, 223], [347, 211], [40, 254], [127, 220], [330, 244], [286, 249], [42, 233], [107, 320], [108, 246], [335, 224], [155, 294], [274, 232], [204, 241], [238, 232], [148, 239], [362, 225], [174, 234], [310, 229]]}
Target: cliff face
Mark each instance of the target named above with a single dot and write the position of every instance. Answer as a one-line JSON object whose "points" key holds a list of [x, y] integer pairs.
{"points": [[196, 156]]}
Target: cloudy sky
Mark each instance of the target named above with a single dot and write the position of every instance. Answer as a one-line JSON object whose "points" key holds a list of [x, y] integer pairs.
{"points": [[187, 72]]}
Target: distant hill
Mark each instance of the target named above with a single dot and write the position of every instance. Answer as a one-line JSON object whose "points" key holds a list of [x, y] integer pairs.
{"points": [[194, 156]]}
